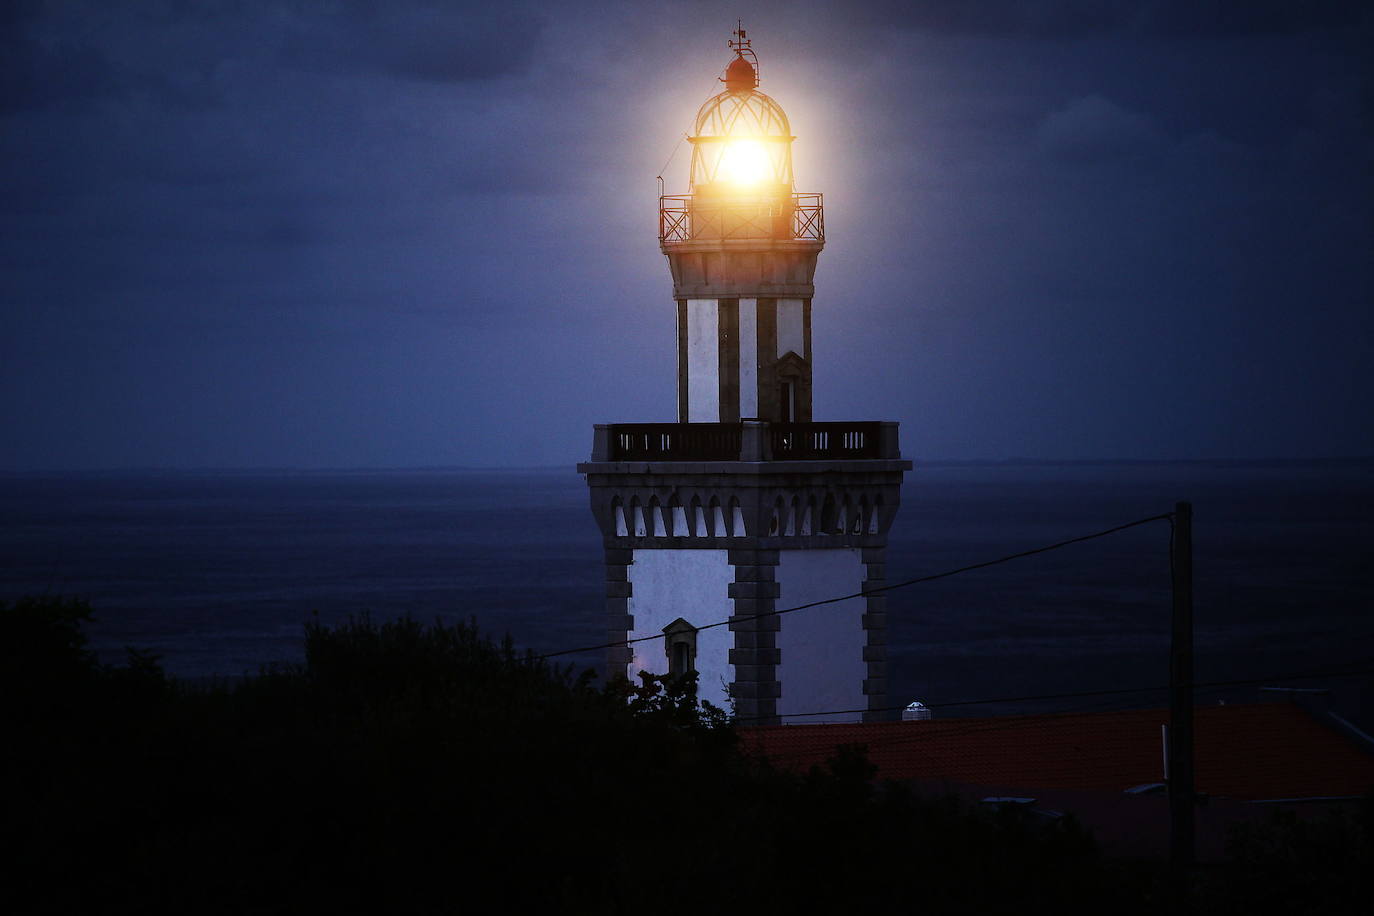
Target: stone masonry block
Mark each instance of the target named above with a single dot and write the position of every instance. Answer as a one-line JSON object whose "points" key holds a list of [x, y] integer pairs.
{"points": [[875, 653], [617, 605], [875, 685], [754, 605], [755, 673], [877, 637], [754, 589], [757, 690], [753, 557], [877, 670], [876, 604], [771, 622], [756, 711], [874, 555], [617, 573], [874, 621], [619, 589], [755, 656], [619, 556], [755, 573], [622, 623], [755, 639]]}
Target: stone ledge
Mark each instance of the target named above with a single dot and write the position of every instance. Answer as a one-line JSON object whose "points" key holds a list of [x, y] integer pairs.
{"points": [[747, 469]]}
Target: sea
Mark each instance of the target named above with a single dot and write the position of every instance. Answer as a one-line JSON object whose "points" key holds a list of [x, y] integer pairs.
{"points": [[218, 571]]}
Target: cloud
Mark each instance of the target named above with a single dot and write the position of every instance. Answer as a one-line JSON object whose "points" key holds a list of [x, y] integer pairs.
{"points": [[1094, 128], [60, 74], [1080, 18], [418, 42]]}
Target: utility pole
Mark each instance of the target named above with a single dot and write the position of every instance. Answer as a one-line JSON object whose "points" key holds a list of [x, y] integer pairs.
{"points": [[1181, 799]]}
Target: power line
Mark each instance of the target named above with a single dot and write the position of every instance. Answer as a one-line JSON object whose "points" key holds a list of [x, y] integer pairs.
{"points": [[864, 593]]}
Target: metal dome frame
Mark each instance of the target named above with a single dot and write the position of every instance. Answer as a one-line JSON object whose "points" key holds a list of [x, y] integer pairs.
{"points": [[733, 115]]}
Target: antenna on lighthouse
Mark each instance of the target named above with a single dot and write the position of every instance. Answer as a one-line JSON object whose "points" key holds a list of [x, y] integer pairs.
{"points": [[740, 45]]}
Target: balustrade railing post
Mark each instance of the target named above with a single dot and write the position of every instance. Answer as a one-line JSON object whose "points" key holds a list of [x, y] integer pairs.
{"points": [[601, 442], [752, 446]]}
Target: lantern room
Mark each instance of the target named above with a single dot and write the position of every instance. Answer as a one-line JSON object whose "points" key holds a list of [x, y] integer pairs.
{"points": [[741, 141]]}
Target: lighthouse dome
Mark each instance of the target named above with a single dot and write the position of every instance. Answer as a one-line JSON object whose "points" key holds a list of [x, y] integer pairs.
{"points": [[741, 137]]}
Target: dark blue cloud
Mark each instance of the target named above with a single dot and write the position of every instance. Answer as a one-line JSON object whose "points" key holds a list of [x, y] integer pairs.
{"points": [[421, 233], [1080, 18], [443, 44]]}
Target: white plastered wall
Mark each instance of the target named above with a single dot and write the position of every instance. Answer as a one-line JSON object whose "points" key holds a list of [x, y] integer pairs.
{"points": [[822, 647], [693, 585], [703, 361], [748, 358], [791, 328]]}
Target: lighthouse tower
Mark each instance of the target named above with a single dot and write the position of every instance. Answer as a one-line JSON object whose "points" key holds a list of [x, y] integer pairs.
{"points": [[745, 505]]}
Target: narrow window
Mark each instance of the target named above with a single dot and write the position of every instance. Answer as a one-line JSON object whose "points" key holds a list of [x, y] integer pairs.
{"points": [[788, 398]]}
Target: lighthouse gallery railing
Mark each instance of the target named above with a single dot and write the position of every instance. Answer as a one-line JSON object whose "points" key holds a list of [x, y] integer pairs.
{"points": [[726, 441], [692, 218]]}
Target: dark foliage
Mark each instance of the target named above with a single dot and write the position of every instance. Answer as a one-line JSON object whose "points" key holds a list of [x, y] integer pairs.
{"points": [[422, 769], [1320, 864]]}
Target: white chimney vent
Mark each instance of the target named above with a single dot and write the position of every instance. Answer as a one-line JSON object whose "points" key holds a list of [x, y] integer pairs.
{"points": [[916, 711]]}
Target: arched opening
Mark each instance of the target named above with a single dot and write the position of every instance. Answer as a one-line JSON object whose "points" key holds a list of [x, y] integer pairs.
{"points": [[618, 513], [718, 528], [656, 517], [828, 515], [736, 518], [679, 515], [699, 528], [637, 517]]}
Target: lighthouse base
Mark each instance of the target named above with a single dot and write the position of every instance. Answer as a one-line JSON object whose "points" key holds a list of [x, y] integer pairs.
{"points": [[753, 574]]}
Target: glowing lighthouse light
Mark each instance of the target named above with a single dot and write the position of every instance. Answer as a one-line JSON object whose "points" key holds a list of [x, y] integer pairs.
{"points": [[744, 162], [741, 138]]}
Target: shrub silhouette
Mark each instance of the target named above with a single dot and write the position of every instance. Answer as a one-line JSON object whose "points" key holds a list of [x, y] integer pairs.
{"points": [[410, 768]]}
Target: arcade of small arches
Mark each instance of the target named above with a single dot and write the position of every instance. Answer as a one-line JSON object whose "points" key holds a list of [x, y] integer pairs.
{"points": [[827, 513]]}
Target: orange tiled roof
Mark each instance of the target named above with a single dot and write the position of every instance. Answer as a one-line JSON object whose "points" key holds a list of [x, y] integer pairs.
{"points": [[1250, 751]]}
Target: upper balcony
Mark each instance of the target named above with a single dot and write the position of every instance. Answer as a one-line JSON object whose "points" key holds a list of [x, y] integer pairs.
{"points": [[794, 217], [749, 440]]}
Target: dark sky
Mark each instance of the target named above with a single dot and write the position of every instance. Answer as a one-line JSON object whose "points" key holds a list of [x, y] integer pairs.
{"points": [[267, 234]]}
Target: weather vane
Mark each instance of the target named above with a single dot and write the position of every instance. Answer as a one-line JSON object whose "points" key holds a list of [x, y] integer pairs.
{"points": [[740, 45]]}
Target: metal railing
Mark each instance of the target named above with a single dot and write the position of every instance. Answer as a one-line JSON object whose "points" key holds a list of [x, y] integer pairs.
{"points": [[675, 441], [795, 441], [767, 441], [689, 218]]}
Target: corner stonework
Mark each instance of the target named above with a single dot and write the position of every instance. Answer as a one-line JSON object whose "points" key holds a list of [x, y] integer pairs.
{"points": [[755, 655]]}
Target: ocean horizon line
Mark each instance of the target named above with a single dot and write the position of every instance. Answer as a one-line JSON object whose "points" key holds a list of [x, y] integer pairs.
{"points": [[1009, 462]]}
